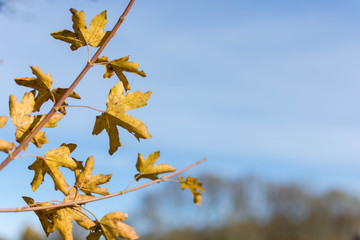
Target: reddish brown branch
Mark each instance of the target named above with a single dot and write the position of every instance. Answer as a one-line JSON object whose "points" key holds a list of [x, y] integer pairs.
{"points": [[67, 204], [67, 93]]}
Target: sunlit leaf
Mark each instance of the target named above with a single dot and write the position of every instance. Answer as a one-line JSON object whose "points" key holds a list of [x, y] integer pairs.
{"points": [[25, 123], [4, 145], [119, 66], [117, 105], [60, 218], [49, 164], [93, 36], [3, 120], [112, 226], [89, 184], [42, 83], [147, 168], [192, 184]]}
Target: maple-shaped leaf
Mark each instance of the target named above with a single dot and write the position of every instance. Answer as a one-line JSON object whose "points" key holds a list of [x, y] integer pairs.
{"points": [[192, 184], [42, 83], [49, 164], [93, 36], [89, 184], [147, 168], [117, 105], [60, 218], [4, 145], [25, 123], [119, 66], [112, 226]]}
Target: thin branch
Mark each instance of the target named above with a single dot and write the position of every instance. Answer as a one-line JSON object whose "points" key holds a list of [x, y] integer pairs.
{"points": [[70, 89], [83, 106], [29, 155], [79, 202]]}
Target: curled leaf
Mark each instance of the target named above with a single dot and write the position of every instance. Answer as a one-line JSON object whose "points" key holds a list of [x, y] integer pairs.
{"points": [[193, 185], [112, 226], [4, 145], [147, 168], [3, 120], [119, 66]]}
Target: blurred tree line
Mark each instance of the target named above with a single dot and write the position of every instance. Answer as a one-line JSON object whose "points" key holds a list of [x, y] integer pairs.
{"points": [[247, 209]]}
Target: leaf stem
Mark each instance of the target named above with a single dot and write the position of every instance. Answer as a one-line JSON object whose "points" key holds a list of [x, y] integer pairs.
{"points": [[79, 202], [69, 91], [83, 106]]}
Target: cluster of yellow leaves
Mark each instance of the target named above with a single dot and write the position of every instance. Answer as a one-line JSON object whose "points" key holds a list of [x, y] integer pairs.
{"points": [[192, 184], [60, 218], [59, 157], [148, 170], [4, 145], [115, 115], [110, 226], [25, 123], [93, 36], [119, 101]]}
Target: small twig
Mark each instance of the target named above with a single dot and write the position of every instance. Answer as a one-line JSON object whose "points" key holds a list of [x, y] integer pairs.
{"points": [[79, 202], [172, 180], [132, 181], [69, 91], [88, 51], [83, 106], [28, 155], [90, 213]]}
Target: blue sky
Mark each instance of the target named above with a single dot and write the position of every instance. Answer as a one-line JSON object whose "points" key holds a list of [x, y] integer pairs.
{"points": [[264, 88]]}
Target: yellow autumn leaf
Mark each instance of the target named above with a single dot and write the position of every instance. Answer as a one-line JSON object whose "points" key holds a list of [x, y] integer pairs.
{"points": [[89, 184], [94, 235], [49, 164], [42, 83], [112, 226], [119, 66], [93, 36], [4, 145], [19, 111], [117, 105], [45, 216], [147, 168], [3, 120], [193, 185]]}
